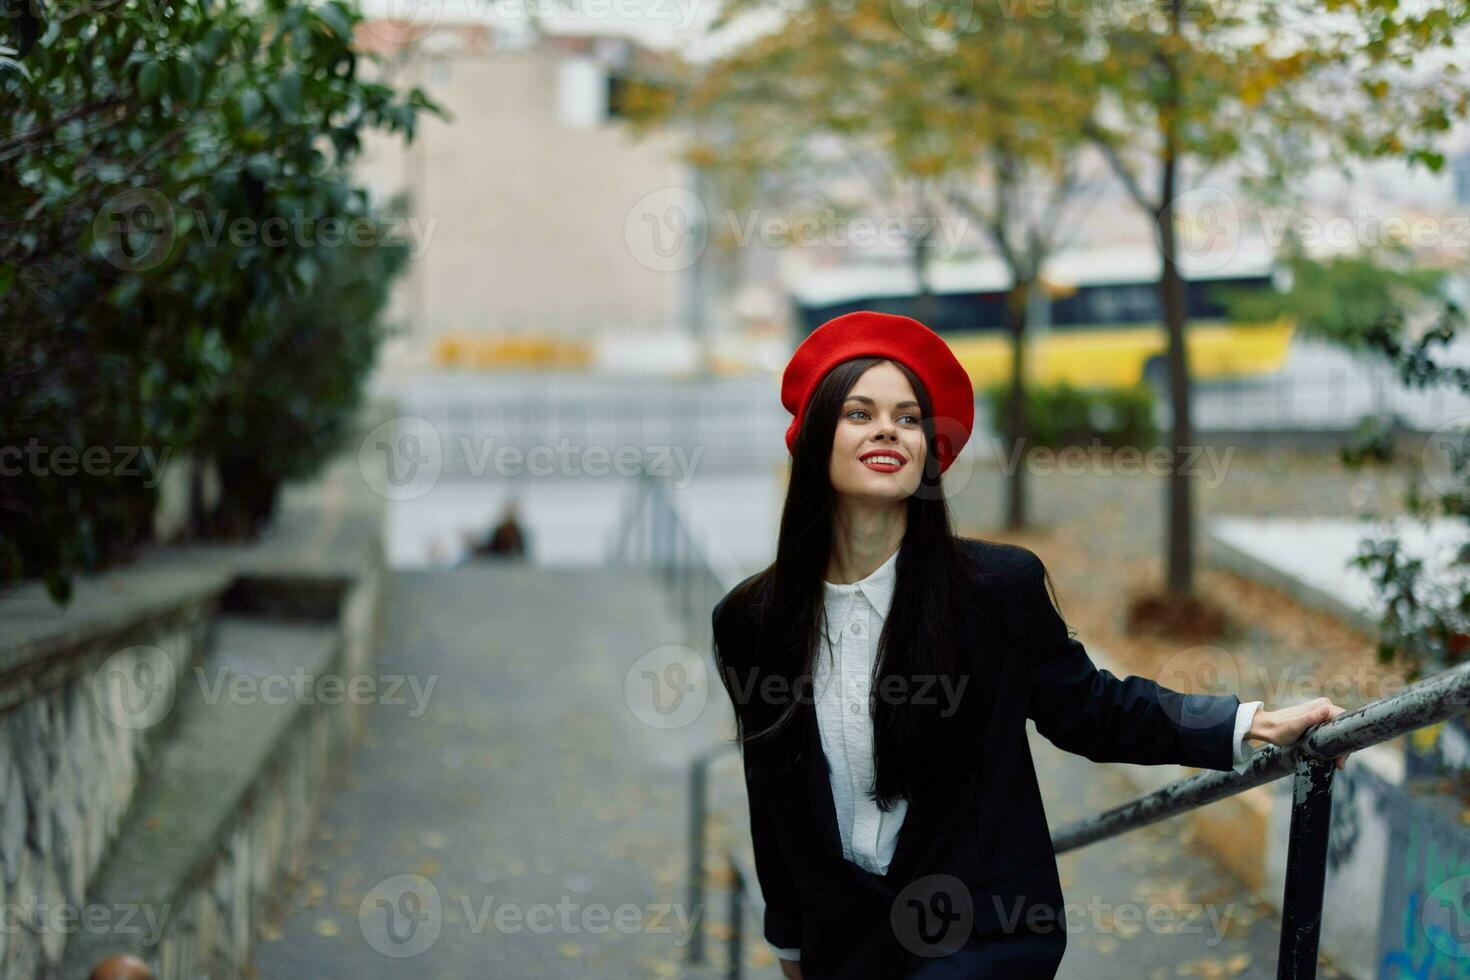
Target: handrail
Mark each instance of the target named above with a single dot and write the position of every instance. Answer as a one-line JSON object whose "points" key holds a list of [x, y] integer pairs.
{"points": [[655, 534], [1310, 760], [1433, 699]]}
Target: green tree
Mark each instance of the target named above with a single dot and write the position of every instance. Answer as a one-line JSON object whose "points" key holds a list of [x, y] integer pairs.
{"points": [[175, 203]]}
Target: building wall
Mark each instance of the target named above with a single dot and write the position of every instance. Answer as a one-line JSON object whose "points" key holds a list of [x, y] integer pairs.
{"points": [[526, 208]]}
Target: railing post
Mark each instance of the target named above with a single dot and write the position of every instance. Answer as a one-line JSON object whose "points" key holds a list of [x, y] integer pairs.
{"points": [[737, 921], [698, 782], [668, 535], [686, 576], [1306, 870]]}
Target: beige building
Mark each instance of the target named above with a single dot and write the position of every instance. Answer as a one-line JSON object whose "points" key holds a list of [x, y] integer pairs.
{"points": [[538, 219]]}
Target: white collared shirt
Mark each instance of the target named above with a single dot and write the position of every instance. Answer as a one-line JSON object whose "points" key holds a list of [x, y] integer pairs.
{"points": [[842, 680]]}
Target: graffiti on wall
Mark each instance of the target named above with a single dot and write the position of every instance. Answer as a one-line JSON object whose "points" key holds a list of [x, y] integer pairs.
{"points": [[1427, 898]]}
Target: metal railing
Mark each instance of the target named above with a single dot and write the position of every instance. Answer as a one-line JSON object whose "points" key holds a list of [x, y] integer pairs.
{"points": [[1310, 760], [694, 890], [653, 534]]}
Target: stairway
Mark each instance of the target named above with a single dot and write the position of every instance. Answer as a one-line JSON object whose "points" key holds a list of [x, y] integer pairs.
{"points": [[531, 820]]}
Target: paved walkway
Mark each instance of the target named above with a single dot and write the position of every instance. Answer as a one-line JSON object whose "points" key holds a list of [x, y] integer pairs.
{"points": [[527, 823]]}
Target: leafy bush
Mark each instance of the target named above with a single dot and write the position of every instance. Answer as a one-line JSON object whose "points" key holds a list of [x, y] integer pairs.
{"points": [[1063, 415], [186, 265]]}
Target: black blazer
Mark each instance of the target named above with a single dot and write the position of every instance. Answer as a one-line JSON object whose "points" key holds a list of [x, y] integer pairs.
{"points": [[972, 854]]}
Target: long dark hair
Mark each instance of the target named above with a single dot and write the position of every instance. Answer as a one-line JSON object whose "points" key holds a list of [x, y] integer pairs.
{"points": [[914, 745]]}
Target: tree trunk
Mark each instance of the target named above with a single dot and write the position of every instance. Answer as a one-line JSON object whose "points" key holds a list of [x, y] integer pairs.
{"points": [[196, 522], [1017, 429], [928, 309], [247, 500], [1180, 530], [1180, 573]]}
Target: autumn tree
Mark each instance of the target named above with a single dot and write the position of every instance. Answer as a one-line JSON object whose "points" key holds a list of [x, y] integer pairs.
{"points": [[971, 115], [1272, 90]]}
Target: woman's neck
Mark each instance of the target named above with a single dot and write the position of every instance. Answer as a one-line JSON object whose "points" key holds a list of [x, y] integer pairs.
{"points": [[863, 539]]}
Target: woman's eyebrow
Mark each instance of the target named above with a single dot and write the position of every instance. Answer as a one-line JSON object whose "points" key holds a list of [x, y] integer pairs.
{"points": [[868, 401]]}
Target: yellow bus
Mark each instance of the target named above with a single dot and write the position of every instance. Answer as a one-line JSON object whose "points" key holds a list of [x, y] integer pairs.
{"points": [[1104, 330]]}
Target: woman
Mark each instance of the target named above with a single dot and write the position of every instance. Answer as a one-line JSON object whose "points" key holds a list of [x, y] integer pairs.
{"points": [[882, 671]]}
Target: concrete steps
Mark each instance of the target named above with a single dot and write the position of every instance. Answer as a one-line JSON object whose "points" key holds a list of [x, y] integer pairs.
{"points": [[536, 777], [237, 719]]}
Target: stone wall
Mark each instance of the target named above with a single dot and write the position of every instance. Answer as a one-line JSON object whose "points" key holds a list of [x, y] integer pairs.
{"points": [[69, 770], [211, 931], [88, 721]]}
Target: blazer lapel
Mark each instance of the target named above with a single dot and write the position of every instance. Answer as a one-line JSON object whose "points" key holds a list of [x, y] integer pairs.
{"points": [[923, 829], [819, 785]]}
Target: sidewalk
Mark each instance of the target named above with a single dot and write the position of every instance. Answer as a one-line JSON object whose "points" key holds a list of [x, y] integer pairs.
{"points": [[516, 819]]}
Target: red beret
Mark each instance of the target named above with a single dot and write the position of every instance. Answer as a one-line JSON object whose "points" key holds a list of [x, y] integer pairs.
{"points": [[899, 338]]}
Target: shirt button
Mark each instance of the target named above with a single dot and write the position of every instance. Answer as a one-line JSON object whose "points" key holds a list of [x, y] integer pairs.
{"points": [[856, 708], [857, 629]]}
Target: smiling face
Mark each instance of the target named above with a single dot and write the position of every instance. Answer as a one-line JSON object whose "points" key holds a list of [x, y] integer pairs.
{"points": [[878, 447]]}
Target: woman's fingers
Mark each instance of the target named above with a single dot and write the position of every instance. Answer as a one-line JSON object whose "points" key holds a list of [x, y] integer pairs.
{"points": [[1291, 723], [1342, 759], [1286, 726], [1326, 712]]}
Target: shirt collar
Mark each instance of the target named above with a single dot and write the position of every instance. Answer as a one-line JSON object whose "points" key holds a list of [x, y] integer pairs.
{"points": [[877, 588]]}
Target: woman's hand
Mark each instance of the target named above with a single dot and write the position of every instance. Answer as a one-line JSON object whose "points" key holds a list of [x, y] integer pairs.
{"points": [[792, 968], [1286, 725]]}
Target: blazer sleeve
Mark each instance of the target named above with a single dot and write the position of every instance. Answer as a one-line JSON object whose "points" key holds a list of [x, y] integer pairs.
{"points": [[1092, 713], [782, 920]]}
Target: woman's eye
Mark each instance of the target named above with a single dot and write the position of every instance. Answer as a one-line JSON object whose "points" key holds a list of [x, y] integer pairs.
{"points": [[913, 419]]}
